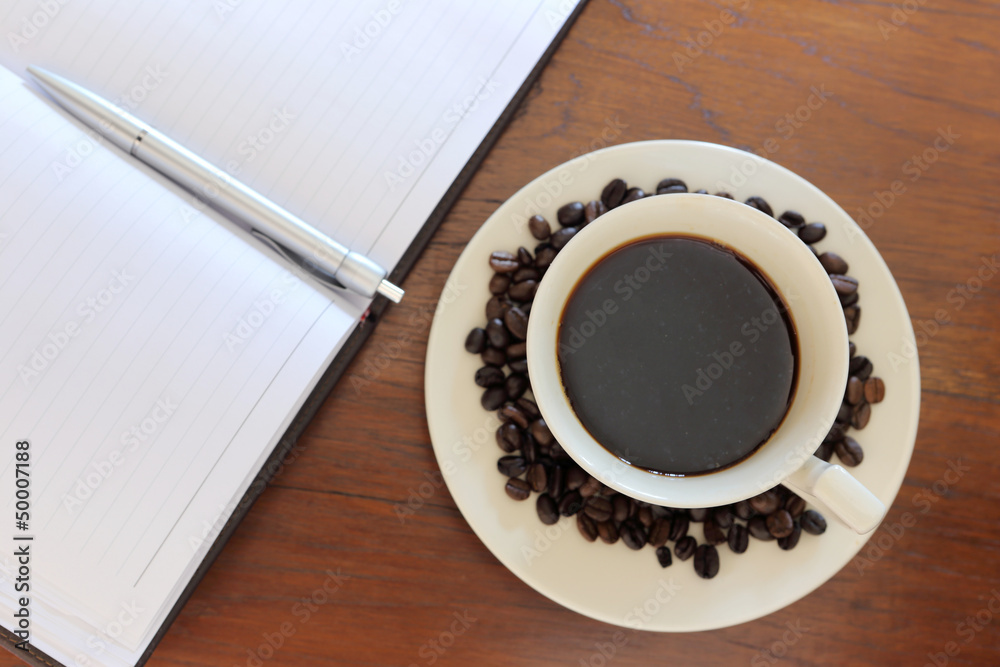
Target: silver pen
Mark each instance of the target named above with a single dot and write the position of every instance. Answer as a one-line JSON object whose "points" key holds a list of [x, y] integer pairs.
{"points": [[291, 237]]}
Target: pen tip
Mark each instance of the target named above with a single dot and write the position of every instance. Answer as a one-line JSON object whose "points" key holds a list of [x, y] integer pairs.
{"points": [[390, 291]]}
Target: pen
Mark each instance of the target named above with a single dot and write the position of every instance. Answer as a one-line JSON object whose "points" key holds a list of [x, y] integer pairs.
{"points": [[293, 238]]}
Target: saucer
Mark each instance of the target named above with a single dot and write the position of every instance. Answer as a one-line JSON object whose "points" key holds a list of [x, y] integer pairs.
{"points": [[612, 583]]}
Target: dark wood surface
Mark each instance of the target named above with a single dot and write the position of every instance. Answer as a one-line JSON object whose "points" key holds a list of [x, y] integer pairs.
{"points": [[898, 73]]}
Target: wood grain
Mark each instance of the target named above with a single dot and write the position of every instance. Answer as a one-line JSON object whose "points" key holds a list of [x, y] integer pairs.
{"points": [[890, 95]]}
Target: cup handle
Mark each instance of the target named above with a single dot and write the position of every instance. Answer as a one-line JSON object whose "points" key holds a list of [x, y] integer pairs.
{"points": [[845, 496]]}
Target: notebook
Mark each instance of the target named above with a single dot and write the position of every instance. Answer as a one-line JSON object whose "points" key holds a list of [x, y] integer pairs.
{"points": [[155, 360]]}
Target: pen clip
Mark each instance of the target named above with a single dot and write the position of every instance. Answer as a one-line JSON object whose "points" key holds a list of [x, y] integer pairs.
{"points": [[297, 259]]}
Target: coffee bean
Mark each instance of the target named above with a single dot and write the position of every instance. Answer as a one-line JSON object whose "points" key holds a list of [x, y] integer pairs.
{"points": [[659, 532], [497, 333], [697, 514], [862, 414], [499, 283], [813, 522], [512, 413], [645, 515], [586, 526], [539, 227], [706, 561], [538, 478], [849, 299], [548, 512], [791, 219], [743, 510], [562, 237], [525, 273], [757, 527], [660, 512], [632, 195], [860, 367], [620, 508], [557, 482], [593, 210], [780, 523], [766, 502], [795, 505], [874, 390], [759, 204], [852, 316], [713, 533], [607, 531], [493, 398], [541, 433], [570, 215], [835, 434], [669, 186], [685, 547], [613, 193], [529, 449], [824, 451], [678, 526], [517, 350], [701, 191], [849, 452], [494, 357], [496, 307], [523, 291], [509, 437], [844, 285], [833, 263], [843, 414], [814, 232], [528, 407], [722, 517], [518, 365], [489, 376], [516, 323], [789, 541], [633, 534], [576, 477], [855, 391], [475, 342], [739, 538], [517, 489], [503, 262], [512, 466], [663, 556], [570, 503], [590, 487], [524, 257], [598, 508], [544, 256], [852, 349], [724, 195]]}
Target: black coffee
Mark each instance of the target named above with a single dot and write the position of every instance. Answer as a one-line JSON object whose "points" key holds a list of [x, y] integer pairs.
{"points": [[677, 355]]}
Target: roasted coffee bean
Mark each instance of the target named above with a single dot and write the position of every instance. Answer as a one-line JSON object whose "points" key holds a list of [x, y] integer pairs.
{"points": [[780, 523], [833, 263], [590, 487], [503, 262], [766, 502], [724, 195], [849, 452], [512, 466], [528, 407], [517, 350], [844, 284], [659, 532], [517, 489], [497, 333], [739, 538], [570, 503], [523, 291], [663, 556], [633, 534], [539, 227], [499, 283], [489, 376], [743, 510], [669, 186], [789, 541], [529, 449], [493, 398], [496, 307], [791, 219], [813, 522], [562, 237], [678, 526], [570, 215], [849, 300], [524, 258], [685, 547], [814, 232], [697, 514], [516, 323], [706, 561], [544, 256], [548, 511], [557, 482], [598, 508], [759, 204], [874, 390], [538, 477], [723, 517], [835, 434], [632, 195], [862, 414], [852, 349], [512, 413], [613, 193], [843, 414], [509, 437], [576, 477], [757, 527], [518, 366], [824, 451], [558, 453], [475, 342], [860, 367], [491, 356], [852, 316], [621, 508], [607, 531], [525, 273], [795, 505], [586, 526], [855, 391], [541, 433], [713, 533], [593, 210], [645, 515], [701, 191]]}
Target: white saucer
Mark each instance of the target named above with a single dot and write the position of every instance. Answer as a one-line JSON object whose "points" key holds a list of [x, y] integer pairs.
{"points": [[612, 583]]}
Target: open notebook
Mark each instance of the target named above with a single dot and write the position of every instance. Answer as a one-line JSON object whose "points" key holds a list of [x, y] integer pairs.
{"points": [[151, 353]]}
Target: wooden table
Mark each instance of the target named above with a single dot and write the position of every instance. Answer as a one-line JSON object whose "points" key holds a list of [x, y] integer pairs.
{"points": [[898, 74]]}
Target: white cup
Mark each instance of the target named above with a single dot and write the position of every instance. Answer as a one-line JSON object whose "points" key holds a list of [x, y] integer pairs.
{"points": [[787, 456]]}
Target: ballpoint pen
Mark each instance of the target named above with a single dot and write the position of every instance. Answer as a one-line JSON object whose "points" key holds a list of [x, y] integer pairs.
{"points": [[293, 238]]}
